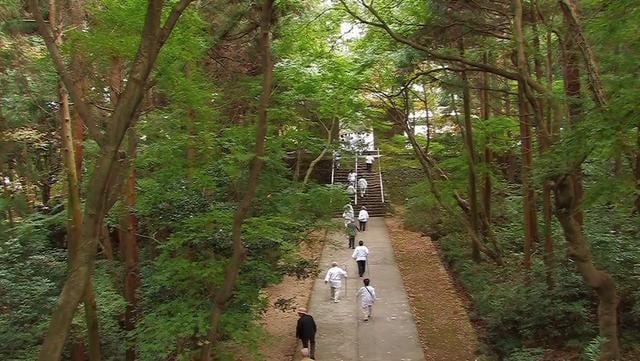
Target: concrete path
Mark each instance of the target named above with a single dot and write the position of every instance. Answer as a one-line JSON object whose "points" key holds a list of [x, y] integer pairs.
{"points": [[342, 335]]}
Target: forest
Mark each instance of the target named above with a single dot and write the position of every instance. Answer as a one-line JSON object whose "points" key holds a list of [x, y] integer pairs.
{"points": [[163, 163]]}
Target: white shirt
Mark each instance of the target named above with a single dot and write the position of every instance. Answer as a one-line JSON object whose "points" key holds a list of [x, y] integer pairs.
{"points": [[360, 253], [334, 275], [363, 215], [370, 159], [350, 190], [362, 183], [348, 216], [352, 177], [367, 295]]}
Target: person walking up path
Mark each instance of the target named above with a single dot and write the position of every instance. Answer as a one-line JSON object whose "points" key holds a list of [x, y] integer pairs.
{"points": [[342, 335], [351, 192], [352, 178], [334, 278], [306, 331], [360, 254], [348, 214], [367, 295], [369, 161], [362, 186], [363, 218], [352, 230]]}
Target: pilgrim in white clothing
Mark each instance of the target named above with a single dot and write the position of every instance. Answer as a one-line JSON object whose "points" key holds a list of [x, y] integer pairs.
{"points": [[334, 278], [352, 178], [367, 296], [363, 218], [362, 186], [369, 162], [360, 254]]}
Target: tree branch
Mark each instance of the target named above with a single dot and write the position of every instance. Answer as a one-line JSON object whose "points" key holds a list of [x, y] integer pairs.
{"points": [[172, 20], [58, 62], [381, 24]]}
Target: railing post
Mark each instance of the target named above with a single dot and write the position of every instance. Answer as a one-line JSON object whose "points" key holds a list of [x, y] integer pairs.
{"points": [[333, 167], [380, 174], [356, 186]]}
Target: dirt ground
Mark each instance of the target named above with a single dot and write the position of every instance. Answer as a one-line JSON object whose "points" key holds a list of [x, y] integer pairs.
{"points": [[281, 325], [445, 330]]}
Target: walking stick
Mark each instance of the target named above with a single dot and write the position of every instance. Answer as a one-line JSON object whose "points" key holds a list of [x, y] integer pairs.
{"points": [[346, 284]]}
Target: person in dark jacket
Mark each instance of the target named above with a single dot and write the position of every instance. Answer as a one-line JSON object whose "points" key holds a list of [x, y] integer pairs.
{"points": [[352, 230], [306, 331]]}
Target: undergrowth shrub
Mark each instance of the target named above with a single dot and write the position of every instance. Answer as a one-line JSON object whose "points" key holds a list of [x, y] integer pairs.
{"points": [[520, 313]]}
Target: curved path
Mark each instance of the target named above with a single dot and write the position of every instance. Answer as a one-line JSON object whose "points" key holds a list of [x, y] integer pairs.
{"points": [[391, 333]]}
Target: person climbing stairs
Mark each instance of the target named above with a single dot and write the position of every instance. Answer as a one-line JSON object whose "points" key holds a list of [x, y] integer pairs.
{"points": [[373, 199]]}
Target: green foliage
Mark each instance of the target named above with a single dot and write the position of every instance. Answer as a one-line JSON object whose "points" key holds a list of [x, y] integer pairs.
{"points": [[196, 145], [592, 350], [111, 306], [521, 316], [526, 354], [29, 279]]}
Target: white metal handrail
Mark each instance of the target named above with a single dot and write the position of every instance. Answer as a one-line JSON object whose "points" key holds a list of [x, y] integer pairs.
{"points": [[356, 182], [380, 174]]}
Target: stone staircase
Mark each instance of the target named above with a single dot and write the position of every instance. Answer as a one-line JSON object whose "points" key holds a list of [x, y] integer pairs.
{"points": [[373, 196]]}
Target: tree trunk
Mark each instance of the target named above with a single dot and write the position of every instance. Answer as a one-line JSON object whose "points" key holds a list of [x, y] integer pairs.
{"points": [[599, 280], [298, 168], [232, 270], [572, 90], [108, 164], [471, 159], [128, 222], [77, 67], [74, 228], [78, 351], [93, 327], [72, 133], [636, 170], [530, 221], [544, 74], [549, 258], [129, 244], [488, 154], [572, 19]]}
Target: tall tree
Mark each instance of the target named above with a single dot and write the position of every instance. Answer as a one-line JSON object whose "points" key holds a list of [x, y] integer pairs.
{"points": [[530, 219], [71, 125], [103, 179], [471, 156], [222, 296]]}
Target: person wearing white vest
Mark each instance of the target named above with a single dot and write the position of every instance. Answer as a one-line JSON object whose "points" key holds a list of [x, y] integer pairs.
{"points": [[360, 254], [363, 218], [334, 278], [369, 161], [352, 178], [348, 214], [367, 296], [362, 186]]}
